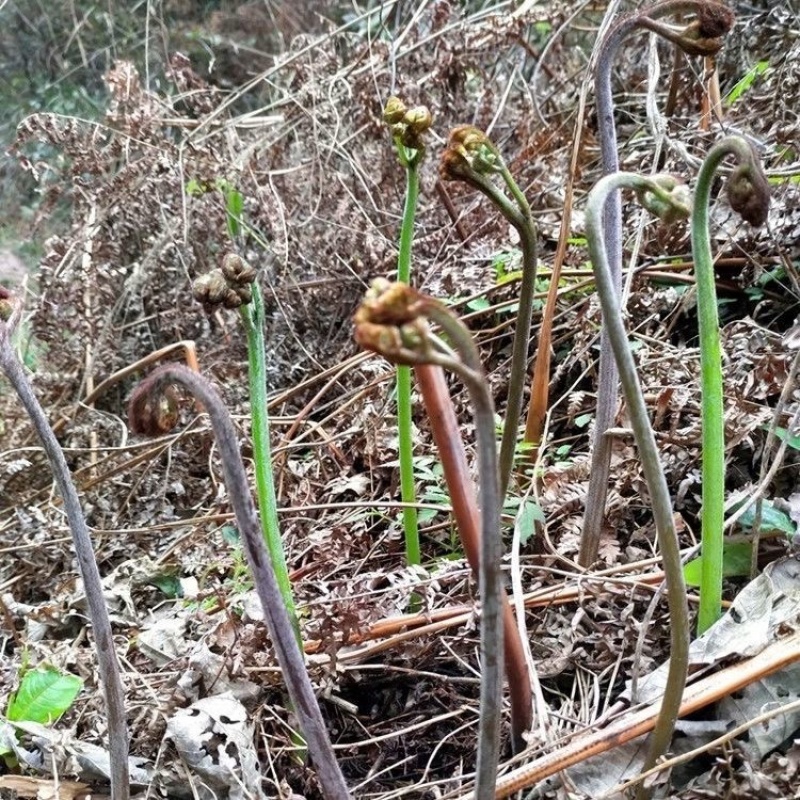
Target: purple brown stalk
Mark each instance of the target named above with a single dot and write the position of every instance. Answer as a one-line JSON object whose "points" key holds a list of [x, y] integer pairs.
{"points": [[703, 36], [150, 397], [393, 321], [447, 436], [10, 313]]}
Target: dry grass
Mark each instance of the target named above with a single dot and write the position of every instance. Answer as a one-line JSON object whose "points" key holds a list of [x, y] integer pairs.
{"points": [[301, 138]]}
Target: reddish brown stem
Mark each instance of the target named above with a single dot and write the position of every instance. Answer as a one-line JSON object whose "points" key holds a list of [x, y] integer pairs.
{"points": [[447, 437]]}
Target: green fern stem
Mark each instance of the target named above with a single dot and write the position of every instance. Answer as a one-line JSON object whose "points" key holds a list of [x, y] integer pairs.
{"points": [[748, 193], [405, 431], [253, 317], [713, 414]]}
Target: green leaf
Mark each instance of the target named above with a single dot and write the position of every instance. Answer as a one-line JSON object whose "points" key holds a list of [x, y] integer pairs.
{"points": [[758, 69], [478, 304], [234, 206], [194, 188], [785, 436], [44, 695], [514, 275], [735, 561], [426, 515], [169, 585], [530, 514], [771, 519], [230, 536]]}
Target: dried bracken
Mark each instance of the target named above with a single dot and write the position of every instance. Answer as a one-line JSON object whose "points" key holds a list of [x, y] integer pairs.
{"points": [[133, 199]]}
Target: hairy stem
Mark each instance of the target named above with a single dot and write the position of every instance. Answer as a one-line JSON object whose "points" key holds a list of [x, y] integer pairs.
{"points": [[253, 317], [392, 321], [645, 441], [522, 333], [470, 370], [463, 161], [84, 552], [280, 628], [447, 437], [713, 411]]}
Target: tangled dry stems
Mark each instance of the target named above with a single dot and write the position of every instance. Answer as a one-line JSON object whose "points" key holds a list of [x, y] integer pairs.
{"points": [[323, 195]]}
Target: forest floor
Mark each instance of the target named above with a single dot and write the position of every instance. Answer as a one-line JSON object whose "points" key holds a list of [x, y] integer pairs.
{"points": [[392, 648]]}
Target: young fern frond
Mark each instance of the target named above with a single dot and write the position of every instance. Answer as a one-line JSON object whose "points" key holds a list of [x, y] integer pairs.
{"points": [[234, 285], [473, 158], [144, 418], [393, 321], [661, 195], [748, 194], [407, 127], [702, 36]]}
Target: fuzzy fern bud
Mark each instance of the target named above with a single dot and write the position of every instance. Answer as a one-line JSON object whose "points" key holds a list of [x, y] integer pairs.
{"points": [[154, 413], [394, 111], [236, 270], [748, 192], [703, 36], [389, 322], [669, 199], [229, 286], [469, 150], [407, 126]]}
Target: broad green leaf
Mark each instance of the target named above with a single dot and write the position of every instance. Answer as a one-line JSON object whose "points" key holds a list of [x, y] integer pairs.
{"points": [[44, 695], [735, 561]]}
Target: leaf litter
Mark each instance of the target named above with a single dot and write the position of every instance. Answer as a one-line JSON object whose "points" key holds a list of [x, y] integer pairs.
{"points": [[393, 649]]}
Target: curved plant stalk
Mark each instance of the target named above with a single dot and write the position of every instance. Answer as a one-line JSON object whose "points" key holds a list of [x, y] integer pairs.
{"points": [[701, 37], [447, 436], [471, 157], [662, 197], [150, 399], [407, 126], [234, 285], [392, 321], [108, 666], [748, 193]]}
